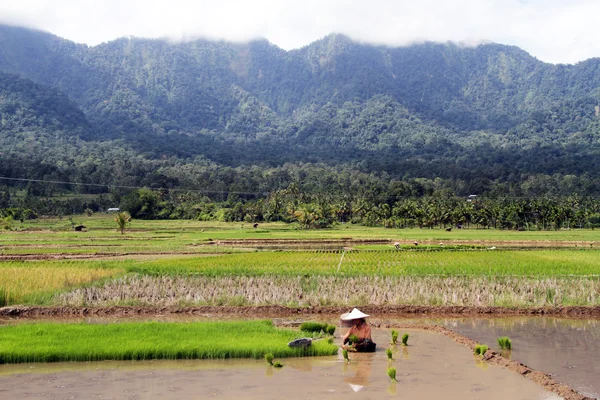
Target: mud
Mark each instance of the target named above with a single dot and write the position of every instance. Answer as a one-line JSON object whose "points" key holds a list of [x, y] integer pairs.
{"points": [[567, 349], [495, 358], [398, 311], [430, 367]]}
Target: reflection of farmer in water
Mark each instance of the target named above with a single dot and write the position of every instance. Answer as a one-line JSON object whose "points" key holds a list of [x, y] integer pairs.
{"points": [[360, 332], [361, 378]]}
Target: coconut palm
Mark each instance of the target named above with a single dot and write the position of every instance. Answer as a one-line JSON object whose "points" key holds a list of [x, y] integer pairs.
{"points": [[122, 219]]}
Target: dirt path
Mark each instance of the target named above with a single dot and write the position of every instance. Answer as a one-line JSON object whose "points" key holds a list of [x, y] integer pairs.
{"points": [[281, 311]]}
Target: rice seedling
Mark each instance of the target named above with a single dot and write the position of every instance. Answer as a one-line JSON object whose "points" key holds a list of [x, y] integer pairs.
{"points": [[481, 349], [353, 339], [313, 327], [505, 343], [54, 342], [269, 358], [405, 339], [330, 330], [388, 352], [392, 373], [394, 336], [345, 354], [277, 364]]}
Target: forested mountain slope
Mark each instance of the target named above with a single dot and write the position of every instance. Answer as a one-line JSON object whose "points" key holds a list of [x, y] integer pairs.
{"points": [[485, 115]]}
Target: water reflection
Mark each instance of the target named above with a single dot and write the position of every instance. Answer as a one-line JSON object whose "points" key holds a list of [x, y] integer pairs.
{"points": [[565, 348], [360, 368]]}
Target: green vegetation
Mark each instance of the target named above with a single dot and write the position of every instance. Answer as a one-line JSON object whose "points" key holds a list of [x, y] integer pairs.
{"points": [[505, 343], [247, 145], [388, 352], [394, 336], [54, 342], [277, 364], [405, 339], [345, 354], [481, 349], [392, 373], [313, 327], [269, 358], [222, 265], [122, 219]]}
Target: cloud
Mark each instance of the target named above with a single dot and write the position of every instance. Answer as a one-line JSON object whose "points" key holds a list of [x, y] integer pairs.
{"points": [[552, 30]]}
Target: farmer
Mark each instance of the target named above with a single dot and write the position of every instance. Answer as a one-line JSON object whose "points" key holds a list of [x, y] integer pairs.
{"points": [[360, 329]]}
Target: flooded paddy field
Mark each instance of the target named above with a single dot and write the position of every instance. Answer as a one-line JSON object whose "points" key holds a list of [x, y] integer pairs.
{"points": [[432, 366], [567, 349]]}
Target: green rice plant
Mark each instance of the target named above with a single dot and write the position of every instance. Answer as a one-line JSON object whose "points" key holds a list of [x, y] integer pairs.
{"points": [[505, 343], [277, 364], [54, 342], [269, 358], [330, 330], [392, 373], [345, 354], [353, 339], [481, 349], [313, 327], [394, 336], [388, 352], [405, 339]]}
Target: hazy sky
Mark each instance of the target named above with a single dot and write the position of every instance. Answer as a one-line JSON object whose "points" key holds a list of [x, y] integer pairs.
{"points": [[559, 31]]}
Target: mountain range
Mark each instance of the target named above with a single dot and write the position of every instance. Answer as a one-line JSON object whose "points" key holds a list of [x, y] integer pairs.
{"points": [[148, 112]]}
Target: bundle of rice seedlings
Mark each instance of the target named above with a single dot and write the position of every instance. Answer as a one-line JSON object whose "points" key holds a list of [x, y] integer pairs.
{"points": [[405, 339], [314, 327], [481, 349], [505, 343], [269, 358], [392, 373], [394, 336], [388, 352]]}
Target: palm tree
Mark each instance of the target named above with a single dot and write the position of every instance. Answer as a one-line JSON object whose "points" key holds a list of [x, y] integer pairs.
{"points": [[122, 219]]}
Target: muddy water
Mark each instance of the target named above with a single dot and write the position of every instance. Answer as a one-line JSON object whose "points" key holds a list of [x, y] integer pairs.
{"points": [[432, 366], [567, 349]]}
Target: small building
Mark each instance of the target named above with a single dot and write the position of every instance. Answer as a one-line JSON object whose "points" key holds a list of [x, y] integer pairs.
{"points": [[113, 209]]}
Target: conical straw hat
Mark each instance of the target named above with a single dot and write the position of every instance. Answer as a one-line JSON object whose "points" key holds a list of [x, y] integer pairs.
{"points": [[354, 314]]}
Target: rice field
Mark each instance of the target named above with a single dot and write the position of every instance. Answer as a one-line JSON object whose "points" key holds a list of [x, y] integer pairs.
{"points": [[185, 262], [465, 277], [37, 283], [538, 263], [54, 342], [302, 291]]}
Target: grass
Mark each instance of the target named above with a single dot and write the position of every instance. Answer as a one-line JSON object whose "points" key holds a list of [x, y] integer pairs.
{"points": [[55, 342]]}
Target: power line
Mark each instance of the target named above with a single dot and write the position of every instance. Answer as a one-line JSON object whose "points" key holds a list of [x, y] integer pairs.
{"points": [[365, 197], [129, 187]]}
